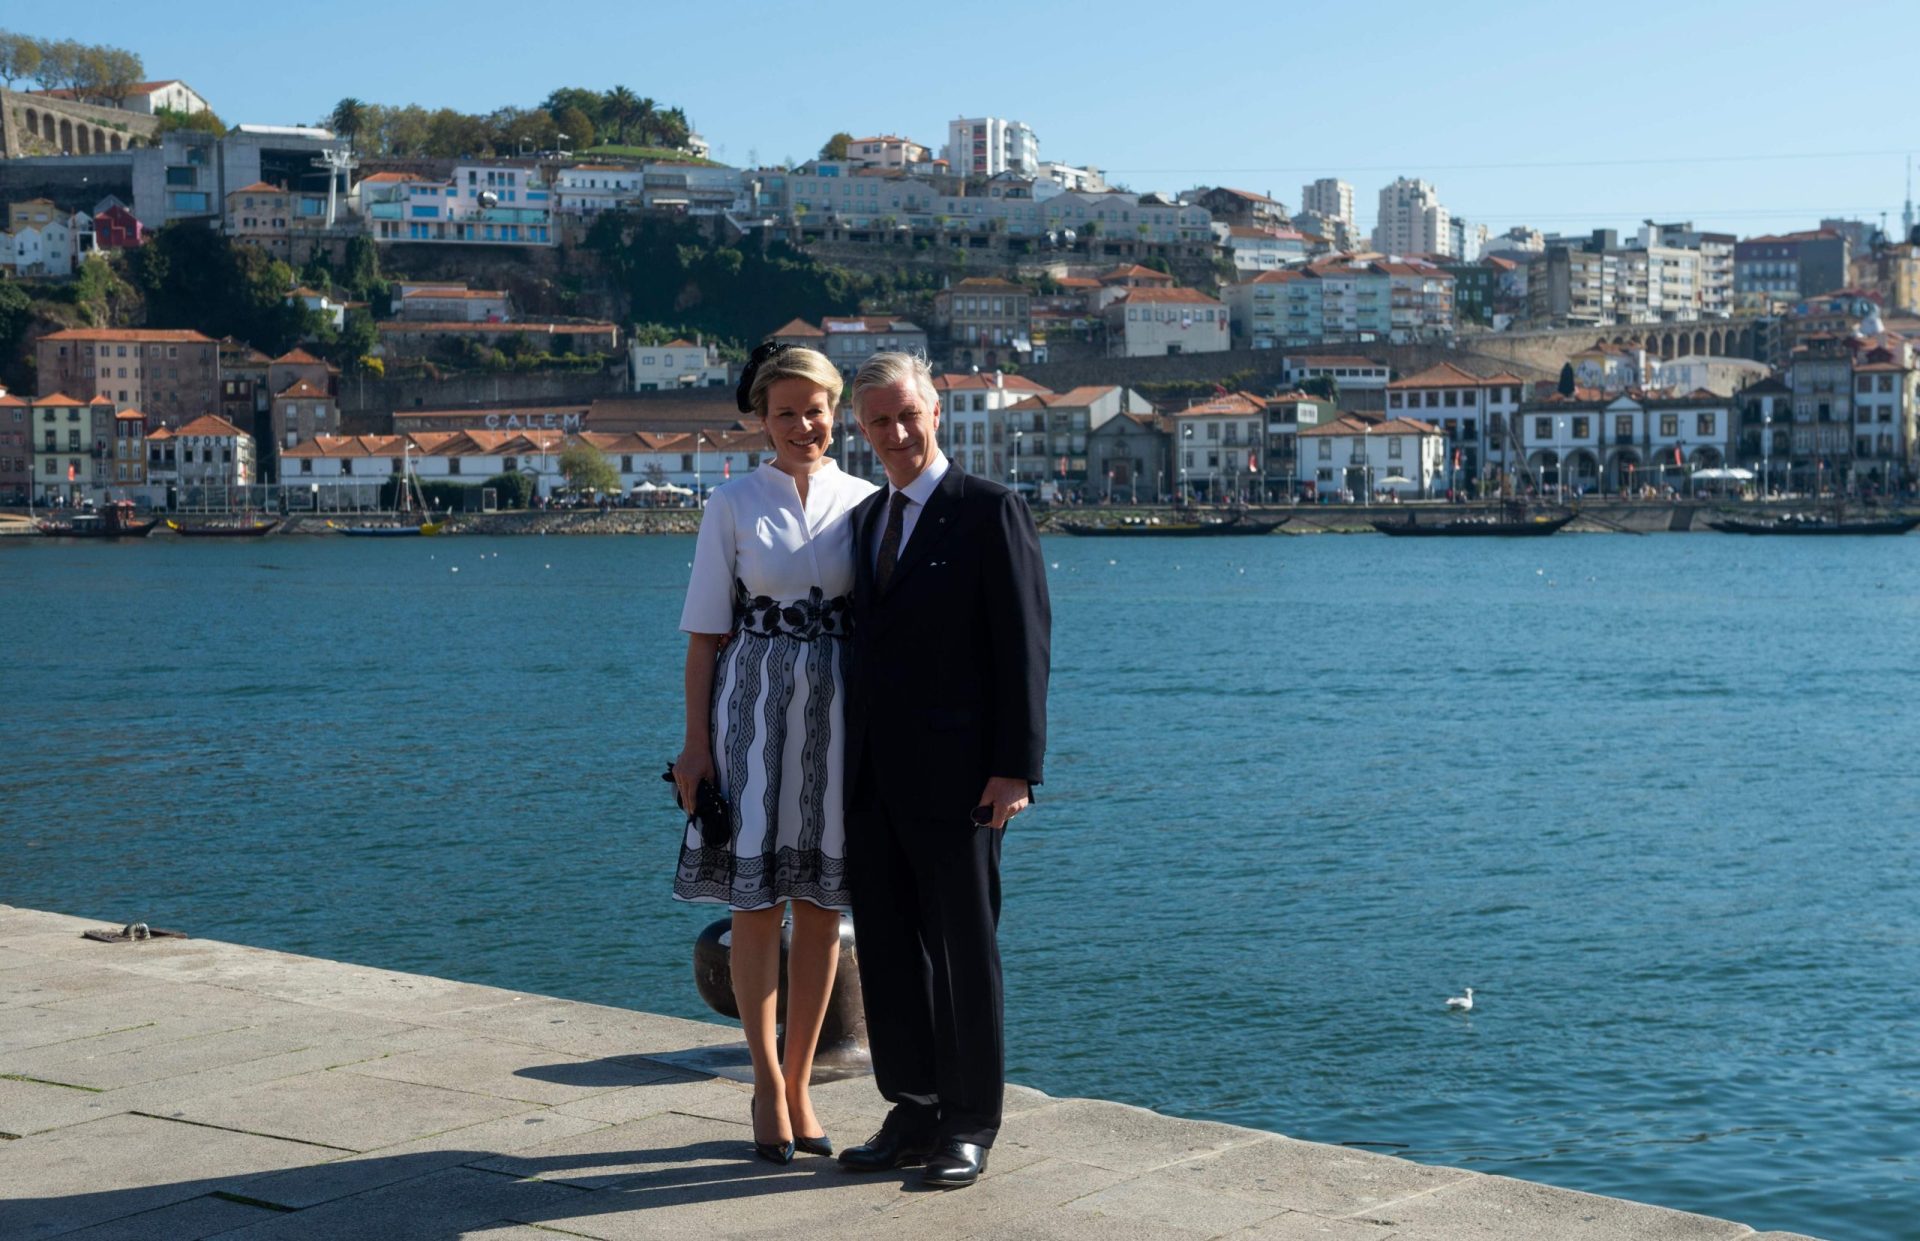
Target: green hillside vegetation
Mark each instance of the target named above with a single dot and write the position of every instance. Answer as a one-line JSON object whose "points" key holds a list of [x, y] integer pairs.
{"points": [[671, 273], [586, 118]]}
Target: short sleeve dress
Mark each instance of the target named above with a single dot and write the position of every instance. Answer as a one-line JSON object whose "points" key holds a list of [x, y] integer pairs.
{"points": [[778, 576]]}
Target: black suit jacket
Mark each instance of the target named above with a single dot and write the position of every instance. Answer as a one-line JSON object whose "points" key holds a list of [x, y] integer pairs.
{"points": [[947, 684]]}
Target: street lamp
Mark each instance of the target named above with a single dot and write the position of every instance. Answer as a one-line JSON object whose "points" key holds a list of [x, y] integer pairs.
{"points": [[1186, 455], [1766, 452], [1013, 463]]}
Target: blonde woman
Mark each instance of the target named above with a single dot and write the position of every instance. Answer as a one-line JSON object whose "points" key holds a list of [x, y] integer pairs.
{"points": [[773, 570]]}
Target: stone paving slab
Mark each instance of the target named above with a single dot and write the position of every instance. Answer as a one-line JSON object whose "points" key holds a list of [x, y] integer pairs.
{"points": [[213, 1089]]}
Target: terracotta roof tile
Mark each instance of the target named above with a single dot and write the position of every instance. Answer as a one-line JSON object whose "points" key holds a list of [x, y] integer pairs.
{"points": [[210, 424]]}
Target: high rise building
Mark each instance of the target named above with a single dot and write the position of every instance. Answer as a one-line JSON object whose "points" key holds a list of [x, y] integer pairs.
{"points": [[1330, 198], [1412, 221], [986, 146]]}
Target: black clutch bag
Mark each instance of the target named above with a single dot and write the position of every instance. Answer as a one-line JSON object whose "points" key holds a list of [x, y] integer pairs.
{"points": [[709, 812]]}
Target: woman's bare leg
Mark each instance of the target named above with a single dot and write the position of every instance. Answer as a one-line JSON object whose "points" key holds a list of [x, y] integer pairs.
{"points": [[756, 989], [812, 960]]}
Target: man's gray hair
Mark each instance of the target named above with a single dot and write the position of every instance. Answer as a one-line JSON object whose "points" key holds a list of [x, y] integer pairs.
{"points": [[884, 370]]}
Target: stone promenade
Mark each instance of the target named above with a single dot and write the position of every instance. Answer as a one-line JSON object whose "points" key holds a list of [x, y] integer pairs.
{"points": [[180, 1089]]}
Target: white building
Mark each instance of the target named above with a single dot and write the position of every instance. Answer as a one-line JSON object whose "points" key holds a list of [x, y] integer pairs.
{"points": [[983, 146], [498, 204], [1349, 373], [676, 364], [335, 312], [588, 189], [973, 427], [1260, 249], [1474, 413], [1219, 447], [1469, 241], [1149, 322], [212, 452], [1071, 177], [450, 303], [887, 151], [849, 341], [1412, 221], [1361, 458], [1328, 197]]}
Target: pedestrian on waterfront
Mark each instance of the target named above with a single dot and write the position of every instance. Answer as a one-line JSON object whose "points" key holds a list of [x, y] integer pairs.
{"points": [[947, 728], [766, 617]]}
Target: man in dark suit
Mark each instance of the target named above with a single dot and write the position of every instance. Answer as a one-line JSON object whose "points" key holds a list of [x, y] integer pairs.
{"points": [[946, 728]]}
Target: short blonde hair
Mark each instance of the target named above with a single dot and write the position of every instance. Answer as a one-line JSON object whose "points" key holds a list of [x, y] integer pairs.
{"points": [[797, 362], [884, 370]]}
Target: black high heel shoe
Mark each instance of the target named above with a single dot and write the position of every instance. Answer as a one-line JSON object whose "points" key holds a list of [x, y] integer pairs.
{"points": [[772, 1152], [822, 1145]]}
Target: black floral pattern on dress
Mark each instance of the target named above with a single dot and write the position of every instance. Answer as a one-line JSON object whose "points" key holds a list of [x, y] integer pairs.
{"points": [[815, 616]]}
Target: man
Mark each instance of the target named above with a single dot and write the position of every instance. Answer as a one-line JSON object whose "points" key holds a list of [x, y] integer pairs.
{"points": [[946, 726]]}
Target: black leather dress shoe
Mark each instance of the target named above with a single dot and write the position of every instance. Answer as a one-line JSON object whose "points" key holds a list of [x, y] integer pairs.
{"points": [[955, 1165], [887, 1150]]}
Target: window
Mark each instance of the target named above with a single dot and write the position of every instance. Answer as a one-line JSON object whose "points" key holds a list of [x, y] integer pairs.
{"points": [[306, 465], [1393, 445], [1623, 427], [1326, 450], [1543, 428], [1669, 425], [346, 465], [453, 465], [1703, 424], [1580, 428]]}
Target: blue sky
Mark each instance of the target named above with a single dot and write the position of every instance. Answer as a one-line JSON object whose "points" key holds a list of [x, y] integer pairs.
{"points": [[1746, 117]]}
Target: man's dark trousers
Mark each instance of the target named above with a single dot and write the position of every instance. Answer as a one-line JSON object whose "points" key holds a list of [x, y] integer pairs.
{"points": [[946, 688]]}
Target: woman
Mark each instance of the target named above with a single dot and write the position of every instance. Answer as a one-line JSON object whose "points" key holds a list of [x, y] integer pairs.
{"points": [[772, 572]]}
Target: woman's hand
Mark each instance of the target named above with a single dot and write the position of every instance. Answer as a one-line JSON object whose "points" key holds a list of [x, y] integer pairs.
{"points": [[694, 764]]}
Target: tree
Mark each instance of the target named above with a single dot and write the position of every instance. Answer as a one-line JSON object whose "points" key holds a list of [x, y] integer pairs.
{"points": [[1566, 379], [112, 73], [1326, 387], [19, 58], [59, 67], [512, 490], [577, 126], [836, 146], [621, 107], [586, 469], [204, 121], [348, 118], [358, 338]]}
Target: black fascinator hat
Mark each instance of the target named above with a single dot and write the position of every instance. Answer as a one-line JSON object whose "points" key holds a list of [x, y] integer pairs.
{"points": [[743, 395]]}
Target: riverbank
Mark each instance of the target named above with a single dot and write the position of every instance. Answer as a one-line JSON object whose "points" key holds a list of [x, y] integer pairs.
{"points": [[184, 1088]]}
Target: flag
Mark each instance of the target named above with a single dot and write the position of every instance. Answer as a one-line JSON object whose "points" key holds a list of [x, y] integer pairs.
{"points": [[726, 468], [71, 467], [1456, 458], [1253, 462], [1677, 459], [1063, 467]]}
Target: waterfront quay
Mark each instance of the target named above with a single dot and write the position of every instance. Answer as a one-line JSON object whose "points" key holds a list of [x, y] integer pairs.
{"points": [[181, 1088]]}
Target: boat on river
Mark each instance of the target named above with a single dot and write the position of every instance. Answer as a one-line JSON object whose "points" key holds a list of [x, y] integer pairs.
{"points": [[250, 530], [113, 520], [1184, 527], [1489, 526], [1814, 524], [389, 532]]}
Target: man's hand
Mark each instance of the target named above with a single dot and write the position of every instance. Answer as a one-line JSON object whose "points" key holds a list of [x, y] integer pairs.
{"points": [[1006, 796]]}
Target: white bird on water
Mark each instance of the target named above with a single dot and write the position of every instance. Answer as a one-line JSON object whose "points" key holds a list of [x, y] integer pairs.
{"points": [[1461, 1003]]}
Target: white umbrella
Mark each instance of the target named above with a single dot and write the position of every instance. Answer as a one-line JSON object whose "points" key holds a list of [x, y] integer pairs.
{"points": [[645, 488], [1718, 475], [671, 489]]}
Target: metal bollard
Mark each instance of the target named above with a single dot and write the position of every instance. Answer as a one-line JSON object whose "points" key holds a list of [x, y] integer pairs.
{"points": [[843, 1033]]}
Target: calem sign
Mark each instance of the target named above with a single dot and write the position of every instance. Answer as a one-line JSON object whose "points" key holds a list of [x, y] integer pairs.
{"points": [[573, 421]]}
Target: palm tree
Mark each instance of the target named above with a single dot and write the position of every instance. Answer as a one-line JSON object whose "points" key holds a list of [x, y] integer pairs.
{"points": [[349, 116], [647, 116], [623, 108]]}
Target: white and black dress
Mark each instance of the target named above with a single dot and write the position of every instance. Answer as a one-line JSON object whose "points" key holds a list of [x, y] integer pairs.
{"points": [[778, 576]]}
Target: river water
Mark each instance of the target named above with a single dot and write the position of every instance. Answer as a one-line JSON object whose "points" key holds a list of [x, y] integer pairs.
{"points": [[1653, 798]]}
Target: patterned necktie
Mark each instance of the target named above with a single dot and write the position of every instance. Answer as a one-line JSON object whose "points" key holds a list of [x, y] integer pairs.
{"points": [[890, 540]]}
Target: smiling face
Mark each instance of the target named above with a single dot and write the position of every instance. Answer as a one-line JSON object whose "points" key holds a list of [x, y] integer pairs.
{"points": [[903, 429], [799, 424]]}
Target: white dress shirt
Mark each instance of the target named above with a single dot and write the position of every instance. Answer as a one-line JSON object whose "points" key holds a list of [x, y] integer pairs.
{"points": [[918, 492]]}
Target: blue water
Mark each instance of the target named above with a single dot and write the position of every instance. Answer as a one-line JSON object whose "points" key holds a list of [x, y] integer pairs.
{"points": [[1653, 798]]}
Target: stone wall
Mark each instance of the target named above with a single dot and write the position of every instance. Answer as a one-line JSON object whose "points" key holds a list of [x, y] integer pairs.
{"points": [[99, 130], [371, 402]]}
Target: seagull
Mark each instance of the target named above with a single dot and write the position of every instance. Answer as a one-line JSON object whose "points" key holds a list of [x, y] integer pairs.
{"points": [[1461, 1003]]}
